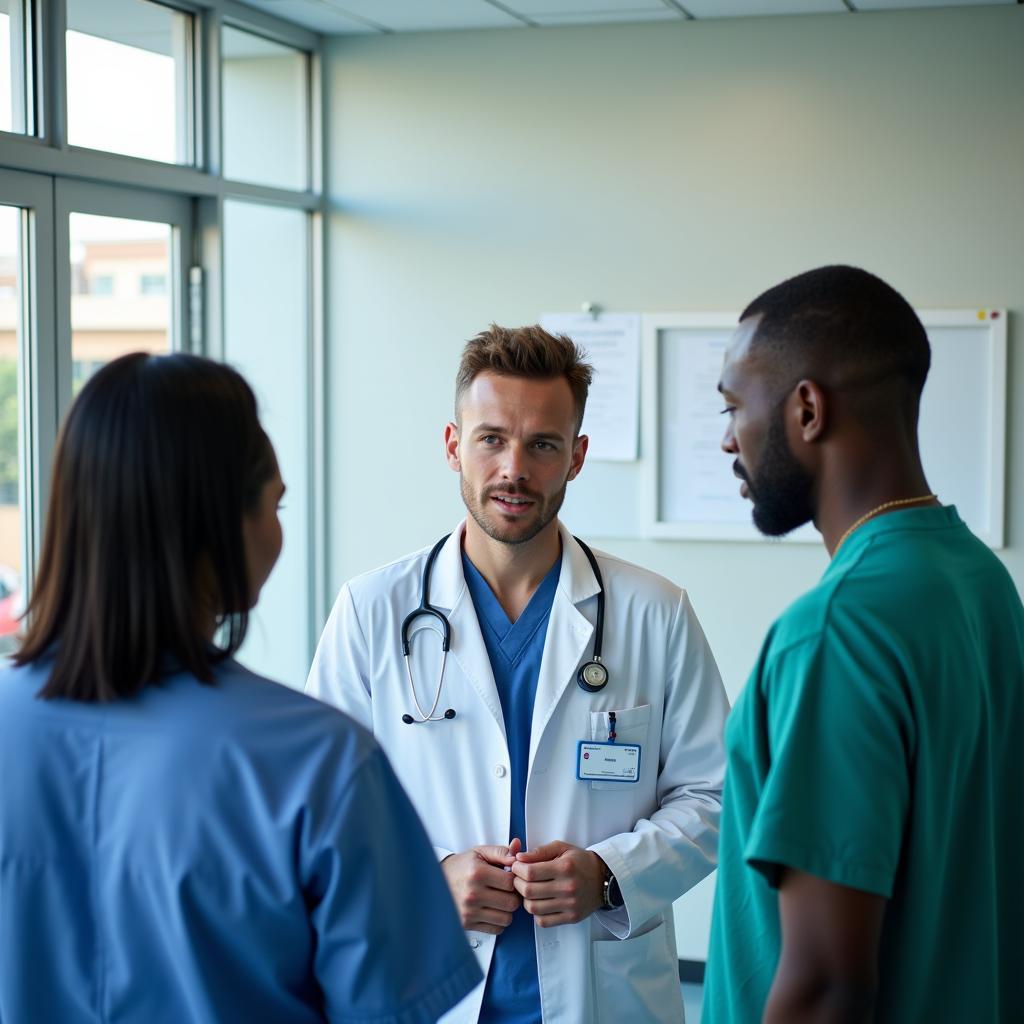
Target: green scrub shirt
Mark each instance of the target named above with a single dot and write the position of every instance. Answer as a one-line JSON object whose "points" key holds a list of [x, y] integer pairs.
{"points": [[879, 744]]}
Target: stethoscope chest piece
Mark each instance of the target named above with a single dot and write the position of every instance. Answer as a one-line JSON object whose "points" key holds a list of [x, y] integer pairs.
{"points": [[592, 677]]}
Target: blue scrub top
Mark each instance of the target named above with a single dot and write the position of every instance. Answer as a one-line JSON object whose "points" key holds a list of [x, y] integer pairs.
{"points": [[234, 852], [512, 993]]}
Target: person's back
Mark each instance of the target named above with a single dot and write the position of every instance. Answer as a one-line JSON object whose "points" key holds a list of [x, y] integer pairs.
{"points": [[180, 839], [938, 627], [200, 853]]}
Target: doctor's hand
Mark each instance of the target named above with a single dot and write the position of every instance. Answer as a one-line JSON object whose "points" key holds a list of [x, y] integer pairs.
{"points": [[483, 890], [559, 883]]}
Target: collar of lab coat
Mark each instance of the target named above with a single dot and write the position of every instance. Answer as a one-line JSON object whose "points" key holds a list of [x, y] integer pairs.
{"points": [[576, 581], [568, 633]]}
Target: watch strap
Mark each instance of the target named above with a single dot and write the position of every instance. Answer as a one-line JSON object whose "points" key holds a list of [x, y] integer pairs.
{"points": [[611, 894]]}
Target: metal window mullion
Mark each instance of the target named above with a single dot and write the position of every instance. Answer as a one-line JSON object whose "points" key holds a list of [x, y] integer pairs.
{"points": [[209, 94], [37, 372], [62, 298], [316, 436], [51, 22], [209, 242]]}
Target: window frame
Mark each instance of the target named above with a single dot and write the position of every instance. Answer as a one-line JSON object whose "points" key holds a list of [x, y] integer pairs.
{"points": [[47, 166]]}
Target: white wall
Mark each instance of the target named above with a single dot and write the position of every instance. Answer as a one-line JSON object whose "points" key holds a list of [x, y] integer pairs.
{"points": [[481, 176]]}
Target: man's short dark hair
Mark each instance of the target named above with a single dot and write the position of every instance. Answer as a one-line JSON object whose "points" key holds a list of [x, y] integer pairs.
{"points": [[845, 323], [525, 352]]}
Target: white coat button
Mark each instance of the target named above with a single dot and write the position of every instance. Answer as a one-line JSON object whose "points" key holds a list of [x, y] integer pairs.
{"points": [[499, 771], [475, 943]]}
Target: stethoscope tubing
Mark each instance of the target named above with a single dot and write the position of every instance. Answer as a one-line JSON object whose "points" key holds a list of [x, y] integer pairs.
{"points": [[426, 608]]}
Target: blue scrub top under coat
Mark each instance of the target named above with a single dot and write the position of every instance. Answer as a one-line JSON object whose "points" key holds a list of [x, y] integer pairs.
{"points": [[512, 993], [209, 853]]}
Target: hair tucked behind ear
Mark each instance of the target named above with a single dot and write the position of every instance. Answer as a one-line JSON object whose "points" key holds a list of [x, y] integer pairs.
{"points": [[156, 464]]}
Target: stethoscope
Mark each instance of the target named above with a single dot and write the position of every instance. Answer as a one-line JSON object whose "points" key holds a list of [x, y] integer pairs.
{"points": [[592, 676]]}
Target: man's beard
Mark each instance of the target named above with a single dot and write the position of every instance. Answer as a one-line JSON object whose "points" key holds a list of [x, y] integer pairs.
{"points": [[781, 489], [487, 517]]}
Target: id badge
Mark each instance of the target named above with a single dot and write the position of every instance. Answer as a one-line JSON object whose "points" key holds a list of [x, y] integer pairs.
{"points": [[598, 761]]}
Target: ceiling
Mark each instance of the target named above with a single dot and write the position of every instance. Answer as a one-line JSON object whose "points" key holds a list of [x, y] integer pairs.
{"points": [[341, 17]]}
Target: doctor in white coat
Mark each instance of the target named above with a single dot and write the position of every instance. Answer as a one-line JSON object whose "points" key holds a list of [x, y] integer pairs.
{"points": [[534, 841]]}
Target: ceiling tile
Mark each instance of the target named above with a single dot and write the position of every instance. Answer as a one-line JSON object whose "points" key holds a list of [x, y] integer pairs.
{"points": [[607, 17], [312, 14], [417, 16], [756, 8], [895, 5], [576, 8]]}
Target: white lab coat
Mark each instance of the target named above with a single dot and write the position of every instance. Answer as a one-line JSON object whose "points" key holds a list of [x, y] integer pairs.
{"points": [[659, 836]]}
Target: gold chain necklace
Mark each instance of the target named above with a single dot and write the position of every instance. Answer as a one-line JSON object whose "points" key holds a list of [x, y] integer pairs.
{"points": [[884, 507]]}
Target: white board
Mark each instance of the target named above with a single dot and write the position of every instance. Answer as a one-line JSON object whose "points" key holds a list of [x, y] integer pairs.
{"points": [[683, 488]]}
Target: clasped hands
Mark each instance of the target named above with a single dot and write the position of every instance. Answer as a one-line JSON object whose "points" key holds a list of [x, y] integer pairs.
{"points": [[557, 883]]}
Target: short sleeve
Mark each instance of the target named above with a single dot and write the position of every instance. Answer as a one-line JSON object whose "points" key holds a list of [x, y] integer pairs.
{"points": [[389, 945], [836, 794]]}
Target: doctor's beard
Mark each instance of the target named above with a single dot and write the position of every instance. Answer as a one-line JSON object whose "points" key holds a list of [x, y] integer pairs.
{"points": [[489, 519]]}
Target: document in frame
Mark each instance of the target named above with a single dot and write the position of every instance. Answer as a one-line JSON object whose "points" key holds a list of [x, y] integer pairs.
{"points": [[612, 344]]}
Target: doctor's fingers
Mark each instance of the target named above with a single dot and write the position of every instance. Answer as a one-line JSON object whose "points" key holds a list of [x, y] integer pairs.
{"points": [[482, 875], [544, 871], [492, 900], [500, 856], [559, 889]]}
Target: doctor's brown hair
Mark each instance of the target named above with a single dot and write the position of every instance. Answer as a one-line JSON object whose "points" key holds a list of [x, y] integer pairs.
{"points": [[525, 352], [157, 462]]}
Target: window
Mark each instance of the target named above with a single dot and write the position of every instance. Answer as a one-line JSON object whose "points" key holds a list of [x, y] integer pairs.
{"points": [[107, 220], [14, 80], [153, 284], [129, 72], [266, 317], [108, 320], [266, 88]]}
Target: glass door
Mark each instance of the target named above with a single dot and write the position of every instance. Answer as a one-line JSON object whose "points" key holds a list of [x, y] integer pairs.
{"points": [[123, 270]]}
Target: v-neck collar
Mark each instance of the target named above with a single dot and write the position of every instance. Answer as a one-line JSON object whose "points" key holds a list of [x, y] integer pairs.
{"points": [[511, 639]]}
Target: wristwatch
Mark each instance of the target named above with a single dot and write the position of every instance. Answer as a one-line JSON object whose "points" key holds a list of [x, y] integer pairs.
{"points": [[611, 895]]}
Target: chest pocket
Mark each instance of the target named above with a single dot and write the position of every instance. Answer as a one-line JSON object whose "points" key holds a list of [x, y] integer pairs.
{"points": [[631, 726]]}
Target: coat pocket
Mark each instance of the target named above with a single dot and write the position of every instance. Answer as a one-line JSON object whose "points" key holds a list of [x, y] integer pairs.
{"points": [[631, 726], [637, 980]]}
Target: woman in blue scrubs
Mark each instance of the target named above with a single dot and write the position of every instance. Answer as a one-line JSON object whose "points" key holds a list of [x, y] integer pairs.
{"points": [[181, 839]]}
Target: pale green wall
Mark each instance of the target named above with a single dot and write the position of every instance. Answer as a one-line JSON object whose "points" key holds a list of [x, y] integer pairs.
{"points": [[483, 176]]}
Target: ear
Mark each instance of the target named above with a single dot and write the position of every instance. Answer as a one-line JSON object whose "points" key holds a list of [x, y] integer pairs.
{"points": [[451, 447], [579, 453], [809, 407]]}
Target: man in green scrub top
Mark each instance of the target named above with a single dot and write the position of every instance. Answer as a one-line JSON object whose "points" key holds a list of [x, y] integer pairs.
{"points": [[873, 821]]}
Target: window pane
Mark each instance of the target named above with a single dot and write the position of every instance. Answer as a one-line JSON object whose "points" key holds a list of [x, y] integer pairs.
{"points": [[266, 316], [113, 310], [11, 603], [265, 97], [129, 73], [13, 79]]}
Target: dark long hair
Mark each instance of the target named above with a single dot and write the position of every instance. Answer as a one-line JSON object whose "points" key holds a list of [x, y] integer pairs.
{"points": [[159, 459]]}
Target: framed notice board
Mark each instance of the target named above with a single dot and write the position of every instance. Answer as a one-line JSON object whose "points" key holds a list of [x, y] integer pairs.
{"points": [[689, 490]]}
